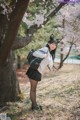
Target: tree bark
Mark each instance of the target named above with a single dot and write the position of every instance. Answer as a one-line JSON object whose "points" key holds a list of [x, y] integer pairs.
{"points": [[63, 59], [13, 26], [21, 42], [9, 86]]}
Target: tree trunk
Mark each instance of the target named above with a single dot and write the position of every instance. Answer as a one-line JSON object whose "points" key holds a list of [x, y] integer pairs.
{"points": [[9, 85], [61, 56], [63, 59], [14, 23]]}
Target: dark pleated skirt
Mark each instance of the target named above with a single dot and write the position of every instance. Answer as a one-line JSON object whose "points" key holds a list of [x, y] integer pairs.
{"points": [[33, 74]]}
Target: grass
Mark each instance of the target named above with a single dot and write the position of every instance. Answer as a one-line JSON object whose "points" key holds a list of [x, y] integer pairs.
{"points": [[58, 93]]}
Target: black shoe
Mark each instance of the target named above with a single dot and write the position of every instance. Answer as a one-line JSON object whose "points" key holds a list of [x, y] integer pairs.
{"points": [[37, 107]]}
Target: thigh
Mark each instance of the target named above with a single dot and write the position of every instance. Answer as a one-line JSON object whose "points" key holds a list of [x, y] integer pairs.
{"points": [[33, 84]]}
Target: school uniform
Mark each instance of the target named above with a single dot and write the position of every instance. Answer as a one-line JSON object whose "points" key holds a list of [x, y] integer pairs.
{"points": [[46, 62]]}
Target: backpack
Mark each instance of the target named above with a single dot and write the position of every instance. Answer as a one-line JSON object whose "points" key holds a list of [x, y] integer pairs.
{"points": [[33, 61]]}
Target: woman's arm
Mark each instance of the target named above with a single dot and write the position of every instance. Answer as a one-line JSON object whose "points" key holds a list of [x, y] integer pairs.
{"points": [[50, 64], [41, 53]]}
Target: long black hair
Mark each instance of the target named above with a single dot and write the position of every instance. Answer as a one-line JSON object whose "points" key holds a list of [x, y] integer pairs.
{"points": [[52, 52], [52, 39]]}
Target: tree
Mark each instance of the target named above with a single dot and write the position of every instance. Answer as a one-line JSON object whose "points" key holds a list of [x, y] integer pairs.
{"points": [[9, 86], [11, 15], [71, 30]]}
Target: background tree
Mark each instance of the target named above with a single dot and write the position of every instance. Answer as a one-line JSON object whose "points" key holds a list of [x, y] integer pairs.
{"points": [[71, 28]]}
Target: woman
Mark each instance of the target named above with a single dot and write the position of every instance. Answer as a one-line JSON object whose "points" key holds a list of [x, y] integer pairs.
{"points": [[48, 55]]}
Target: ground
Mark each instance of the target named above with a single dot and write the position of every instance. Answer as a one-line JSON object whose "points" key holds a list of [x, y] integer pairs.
{"points": [[58, 93]]}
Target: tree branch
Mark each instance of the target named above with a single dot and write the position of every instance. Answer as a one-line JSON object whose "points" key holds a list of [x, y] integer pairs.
{"points": [[34, 28], [21, 42], [61, 56], [68, 52]]}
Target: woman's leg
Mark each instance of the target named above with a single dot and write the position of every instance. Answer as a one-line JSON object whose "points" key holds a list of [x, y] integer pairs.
{"points": [[33, 92]]}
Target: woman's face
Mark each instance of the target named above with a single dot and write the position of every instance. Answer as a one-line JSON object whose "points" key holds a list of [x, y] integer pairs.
{"points": [[52, 46]]}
